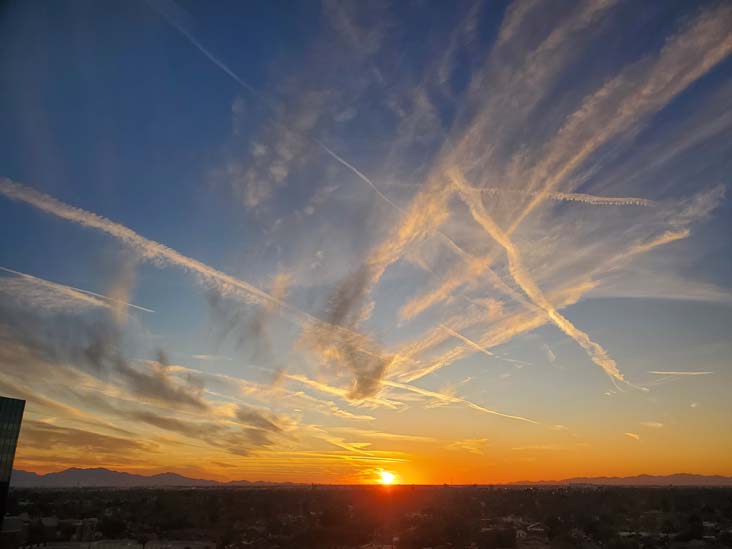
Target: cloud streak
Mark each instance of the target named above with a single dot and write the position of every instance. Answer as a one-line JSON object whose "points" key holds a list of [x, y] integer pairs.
{"points": [[454, 400], [180, 20], [579, 197], [147, 249], [678, 373], [61, 292]]}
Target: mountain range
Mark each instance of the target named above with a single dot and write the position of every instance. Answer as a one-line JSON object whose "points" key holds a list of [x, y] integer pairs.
{"points": [[678, 479], [100, 477]]}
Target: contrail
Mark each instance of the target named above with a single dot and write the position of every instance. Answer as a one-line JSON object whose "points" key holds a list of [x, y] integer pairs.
{"points": [[518, 272], [161, 254], [170, 11], [262, 392], [337, 391], [173, 14], [494, 278], [523, 323], [584, 198], [70, 290], [684, 59], [156, 252], [598, 354], [577, 197], [453, 400], [174, 20], [468, 341], [602, 200], [360, 175], [663, 373]]}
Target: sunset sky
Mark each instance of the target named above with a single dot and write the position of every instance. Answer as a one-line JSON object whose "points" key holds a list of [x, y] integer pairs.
{"points": [[296, 241]]}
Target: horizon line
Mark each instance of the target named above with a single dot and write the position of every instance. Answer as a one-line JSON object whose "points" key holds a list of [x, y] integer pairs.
{"points": [[573, 480]]}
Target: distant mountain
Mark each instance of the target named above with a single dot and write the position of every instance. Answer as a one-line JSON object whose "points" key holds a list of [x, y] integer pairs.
{"points": [[23, 478], [101, 477], [106, 478], [679, 479]]}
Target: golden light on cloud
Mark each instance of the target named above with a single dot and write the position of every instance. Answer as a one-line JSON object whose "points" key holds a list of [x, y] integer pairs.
{"points": [[386, 478]]}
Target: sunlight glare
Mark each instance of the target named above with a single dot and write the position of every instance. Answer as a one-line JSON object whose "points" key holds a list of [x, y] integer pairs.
{"points": [[387, 477]]}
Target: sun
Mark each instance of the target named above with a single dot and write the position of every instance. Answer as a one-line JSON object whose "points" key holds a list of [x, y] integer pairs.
{"points": [[387, 478]]}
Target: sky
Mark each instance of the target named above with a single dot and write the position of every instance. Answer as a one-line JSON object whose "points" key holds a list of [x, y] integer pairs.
{"points": [[470, 242]]}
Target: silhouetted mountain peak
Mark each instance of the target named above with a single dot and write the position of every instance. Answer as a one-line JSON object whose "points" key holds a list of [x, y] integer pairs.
{"points": [[102, 477], [676, 479]]}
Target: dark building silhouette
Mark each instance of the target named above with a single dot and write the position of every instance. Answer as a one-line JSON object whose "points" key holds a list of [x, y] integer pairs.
{"points": [[11, 414]]}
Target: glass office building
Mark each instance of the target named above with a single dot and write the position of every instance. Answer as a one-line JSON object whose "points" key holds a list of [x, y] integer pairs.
{"points": [[11, 414]]}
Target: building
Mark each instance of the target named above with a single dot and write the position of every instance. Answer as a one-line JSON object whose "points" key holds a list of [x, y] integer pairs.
{"points": [[11, 414]]}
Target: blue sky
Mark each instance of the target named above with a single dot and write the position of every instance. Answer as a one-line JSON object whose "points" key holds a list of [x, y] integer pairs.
{"points": [[347, 237]]}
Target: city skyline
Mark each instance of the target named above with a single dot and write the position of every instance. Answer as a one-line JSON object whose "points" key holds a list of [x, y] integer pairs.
{"points": [[368, 242]]}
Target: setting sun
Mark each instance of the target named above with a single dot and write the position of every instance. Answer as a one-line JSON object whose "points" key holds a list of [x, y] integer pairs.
{"points": [[387, 478]]}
